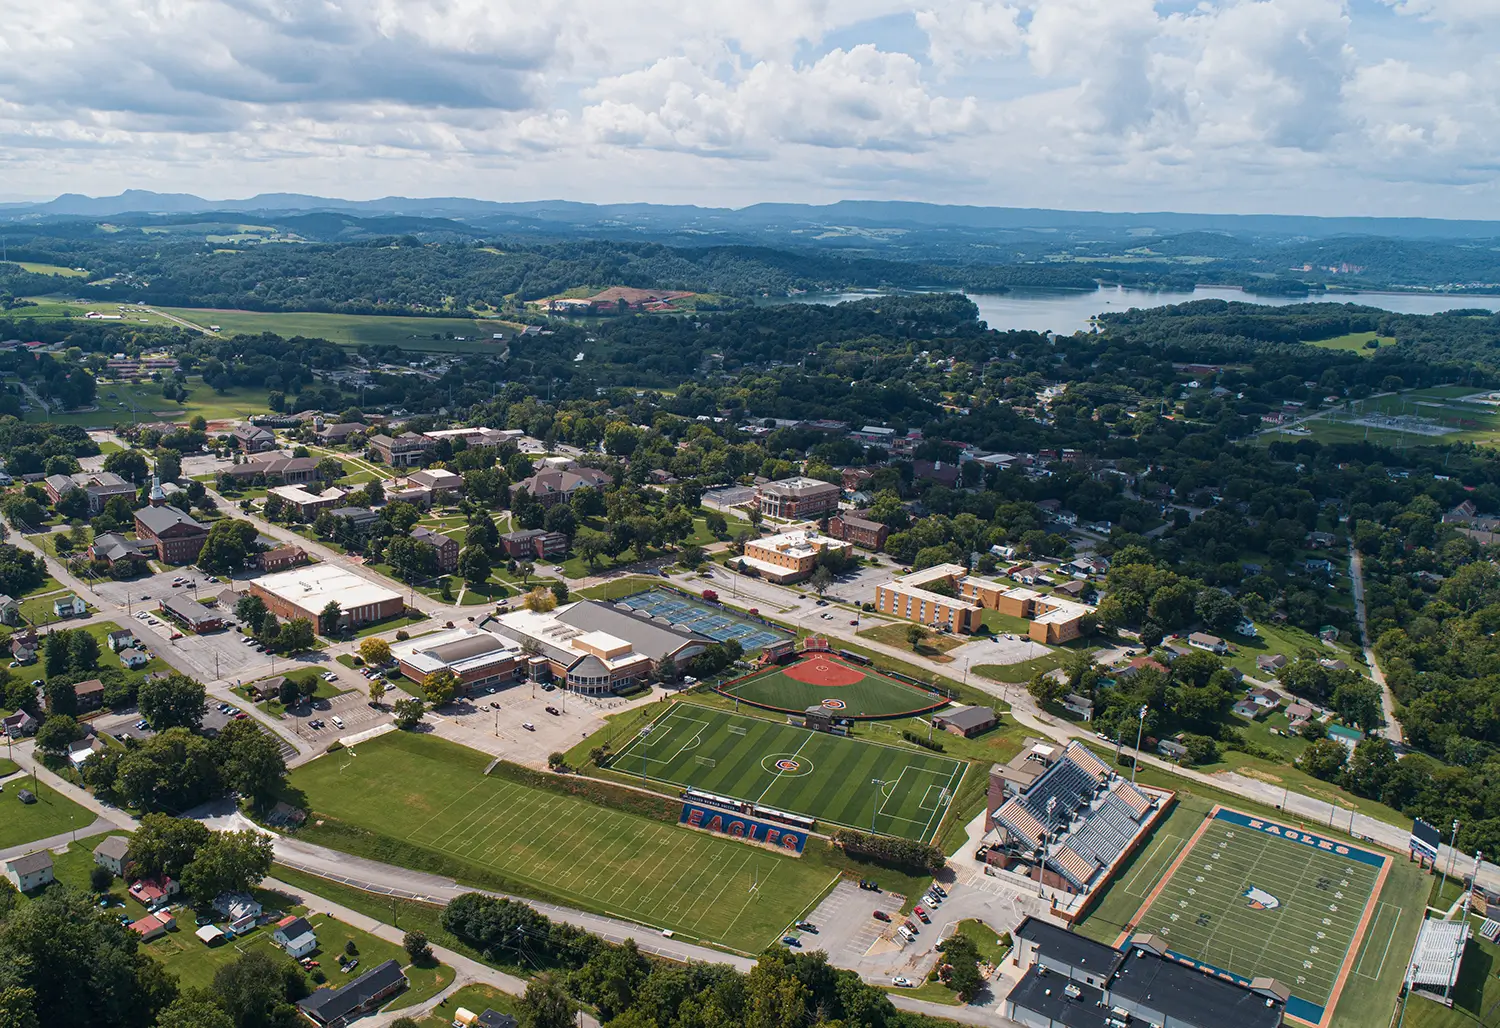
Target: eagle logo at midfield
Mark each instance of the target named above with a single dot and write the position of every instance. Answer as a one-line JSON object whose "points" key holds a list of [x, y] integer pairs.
{"points": [[1260, 899]]}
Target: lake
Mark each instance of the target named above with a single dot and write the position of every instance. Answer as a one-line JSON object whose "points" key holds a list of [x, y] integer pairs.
{"points": [[1069, 312]]}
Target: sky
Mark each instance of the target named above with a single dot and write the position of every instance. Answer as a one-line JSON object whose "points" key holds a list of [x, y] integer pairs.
{"points": [[1335, 107]]}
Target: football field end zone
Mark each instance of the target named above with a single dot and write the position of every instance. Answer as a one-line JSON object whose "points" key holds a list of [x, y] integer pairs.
{"points": [[1298, 1010], [955, 777]]}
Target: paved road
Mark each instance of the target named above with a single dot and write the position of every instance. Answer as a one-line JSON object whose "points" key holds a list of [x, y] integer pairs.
{"points": [[1392, 728]]}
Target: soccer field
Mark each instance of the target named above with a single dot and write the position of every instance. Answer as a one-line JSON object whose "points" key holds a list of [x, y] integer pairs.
{"points": [[829, 777], [429, 793], [1254, 898], [845, 688]]}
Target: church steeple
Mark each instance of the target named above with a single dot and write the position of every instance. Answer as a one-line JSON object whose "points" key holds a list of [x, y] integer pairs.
{"points": [[157, 496]]}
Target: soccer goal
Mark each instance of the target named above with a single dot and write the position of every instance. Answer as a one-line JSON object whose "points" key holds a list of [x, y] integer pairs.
{"points": [[705, 761], [739, 729]]}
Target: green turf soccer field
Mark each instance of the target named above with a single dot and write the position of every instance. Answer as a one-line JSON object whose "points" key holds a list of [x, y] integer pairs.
{"points": [[821, 678], [427, 792], [828, 777], [1253, 898]]}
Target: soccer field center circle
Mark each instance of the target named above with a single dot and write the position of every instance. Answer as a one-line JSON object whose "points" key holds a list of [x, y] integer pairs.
{"points": [[834, 683], [787, 765]]}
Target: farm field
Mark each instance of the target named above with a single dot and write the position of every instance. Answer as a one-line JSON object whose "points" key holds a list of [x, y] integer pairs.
{"points": [[419, 800], [796, 770], [54, 309], [822, 679], [50, 269], [122, 401], [357, 329]]}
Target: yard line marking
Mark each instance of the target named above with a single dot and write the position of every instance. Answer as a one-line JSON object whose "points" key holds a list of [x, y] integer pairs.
{"points": [[440, 813], [708, 907]]}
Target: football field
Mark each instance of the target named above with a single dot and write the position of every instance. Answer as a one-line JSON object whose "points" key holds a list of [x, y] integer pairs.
{"points": [[845, 688], [1255, 898], [833, 778], [420, 791]]}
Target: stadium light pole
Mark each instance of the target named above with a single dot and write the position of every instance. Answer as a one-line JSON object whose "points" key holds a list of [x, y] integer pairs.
{"points": [[1139, 731], [1443, 875], [875, 801]]}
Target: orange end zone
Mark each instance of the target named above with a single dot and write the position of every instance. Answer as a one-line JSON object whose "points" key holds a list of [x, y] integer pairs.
{"points": [[823, 671]]}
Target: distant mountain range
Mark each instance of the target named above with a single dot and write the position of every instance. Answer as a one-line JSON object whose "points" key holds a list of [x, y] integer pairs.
{"points": [[862, 220]]}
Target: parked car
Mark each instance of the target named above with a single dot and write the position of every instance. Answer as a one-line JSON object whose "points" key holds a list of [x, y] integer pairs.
{"points": [[881, 915], [922, 915], [939, 890], [528, 726], [554, 711], [790, 940], [902, 983], [807, 926], [338, 722]]}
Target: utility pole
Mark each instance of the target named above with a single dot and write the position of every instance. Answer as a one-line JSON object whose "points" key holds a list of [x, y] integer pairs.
{"points": [[1444, 874], [1140, 728]]}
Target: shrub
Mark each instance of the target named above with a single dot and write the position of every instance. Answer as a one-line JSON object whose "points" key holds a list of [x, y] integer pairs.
{"points": [[403, 635], [923, 741], [350, 948], [905, 855]]}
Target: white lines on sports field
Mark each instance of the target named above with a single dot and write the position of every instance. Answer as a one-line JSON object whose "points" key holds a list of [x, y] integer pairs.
{"points": [[1372, 939], [445, 810], [777, 778]]}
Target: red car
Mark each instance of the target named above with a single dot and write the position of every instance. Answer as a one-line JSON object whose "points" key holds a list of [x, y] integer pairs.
{"points": [[881, 915], [923, 915]]}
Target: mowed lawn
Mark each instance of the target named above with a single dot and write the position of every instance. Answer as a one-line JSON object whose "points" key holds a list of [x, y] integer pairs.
{"points": [[51, 814], [828, 777], [356, 329], [422, 792], [873, 695]]}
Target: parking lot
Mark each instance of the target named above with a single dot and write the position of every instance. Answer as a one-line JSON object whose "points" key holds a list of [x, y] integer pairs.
{"points": [[853, 937], [124, 723], [478, 725]]}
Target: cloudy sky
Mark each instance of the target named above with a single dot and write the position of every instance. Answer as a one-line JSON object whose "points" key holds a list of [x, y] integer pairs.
{"points": [[1295, 106]]}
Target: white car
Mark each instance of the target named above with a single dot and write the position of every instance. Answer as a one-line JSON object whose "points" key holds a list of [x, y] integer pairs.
{"points": [[338, 722], [902, 983]]}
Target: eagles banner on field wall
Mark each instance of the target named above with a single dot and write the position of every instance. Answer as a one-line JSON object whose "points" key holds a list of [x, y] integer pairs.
{"points": [[738, 826]]}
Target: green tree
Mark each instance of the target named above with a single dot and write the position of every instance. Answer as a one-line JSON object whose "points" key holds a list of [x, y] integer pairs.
{"points": [[83, 652], [55, 652], [62, 698], [1324, 758], [408, 712], [251, 611], [330, 617], [259, 990], [129, 464], [228, 862], [418, 949], [250, 760], [821, 580], [440, 686], [914, 635], [474, 565], [375, 650], [172, 701], [546, 1004], [377, 691], [962, 957], [194, 1012], [56, 733], [165, 845], [229, 542]]}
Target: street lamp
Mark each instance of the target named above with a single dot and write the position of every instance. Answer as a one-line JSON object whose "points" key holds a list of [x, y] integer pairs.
{"points": [[1443, 874]]}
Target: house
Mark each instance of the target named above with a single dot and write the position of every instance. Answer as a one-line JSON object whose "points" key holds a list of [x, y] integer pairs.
{"points": [[533, 542], [69, 607], [190, 614], [1298, 714], [1321, 540], [111, 853], [855, 479], [335, 1008], [1271, 662], [81, 750], [209, 934], [1246, 708], [1349, 737], [153, 925], [1332, 664], [1265, 699], [154, 892], [935, 471], [1079, 705], [19, 725], [90, 695], [1204, 641], [10, 611], [176, 537], [1072, 590], [295, 935], [121, 640], [553, 487], [29, 871], [1171, 749], [445, 548], [241, 908], [114, 548], [967, 722], [253, 439], [405, 450], [23, 645], [853, 527], [135, 659], [1328, 634], [1319, 565], [279, 558]]}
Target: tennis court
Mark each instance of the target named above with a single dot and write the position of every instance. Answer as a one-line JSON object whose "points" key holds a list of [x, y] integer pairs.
{"points": [[1250, 897], [835, 779], [714, 622]]}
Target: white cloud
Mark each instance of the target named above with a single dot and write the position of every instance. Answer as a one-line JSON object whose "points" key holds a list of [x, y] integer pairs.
{"points": [[1082, 103]]}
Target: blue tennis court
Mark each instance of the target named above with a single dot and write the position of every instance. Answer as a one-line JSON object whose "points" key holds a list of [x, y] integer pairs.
{"points": [[717, 624]]}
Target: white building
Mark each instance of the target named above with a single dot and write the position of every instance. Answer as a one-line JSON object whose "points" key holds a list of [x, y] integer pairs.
{"points": [[305, 592]]}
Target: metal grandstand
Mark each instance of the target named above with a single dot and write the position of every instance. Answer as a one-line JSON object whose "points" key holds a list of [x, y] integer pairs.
{"points": [[1076, 818], [1435, 961]]}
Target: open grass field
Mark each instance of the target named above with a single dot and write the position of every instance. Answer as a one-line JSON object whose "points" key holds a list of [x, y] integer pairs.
{"points": [[357, 329], [1255, 898], [828, 777], [51, 814], [418, 794], [54, 309], [51, 269], [1356, 342], [1414, 417], [823, 679], [118, 402]]}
